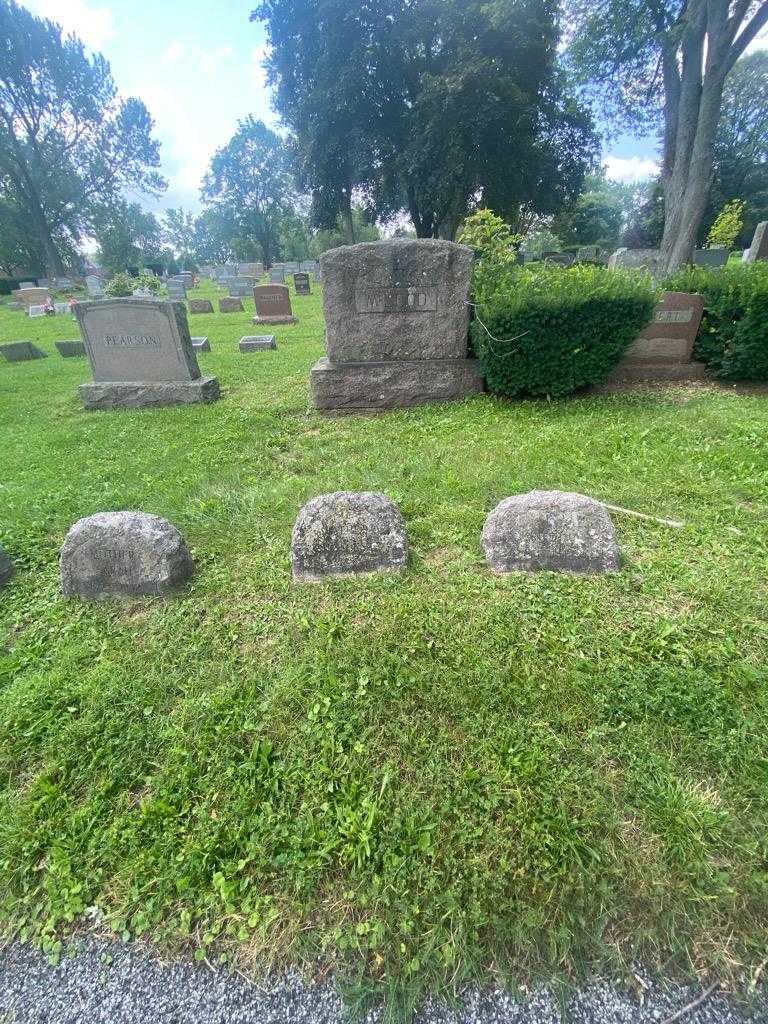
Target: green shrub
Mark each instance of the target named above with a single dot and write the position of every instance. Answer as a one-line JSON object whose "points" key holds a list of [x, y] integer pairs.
{"points": [[120, 286], [148, 282], [549, 331], [733, 337]]}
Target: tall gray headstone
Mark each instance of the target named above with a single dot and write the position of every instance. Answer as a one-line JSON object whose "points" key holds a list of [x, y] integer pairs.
{"points": [[759, 248], [95, 286], [397, 320], [141, 354]]}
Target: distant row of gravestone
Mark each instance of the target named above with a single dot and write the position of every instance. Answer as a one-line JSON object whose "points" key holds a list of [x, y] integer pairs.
{"points": [[347, 533]]}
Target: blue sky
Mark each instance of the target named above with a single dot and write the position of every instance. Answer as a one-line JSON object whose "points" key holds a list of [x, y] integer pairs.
{"points": [[197, 64]]}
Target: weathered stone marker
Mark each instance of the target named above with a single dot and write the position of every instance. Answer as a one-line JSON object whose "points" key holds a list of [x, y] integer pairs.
{"points": [[554, 530], [347, 533], [277, 276], [95, 286], [31, 296], [664, 349], [177, 290], [710, 257], [6, 566], [273, 305], [201, 344], [231, 306], [397, 319], [70, 349], [257, 342], [241, 287], [200, 306], [141, 354], [636, 259], [21, 352], [759, 248], [123, 554], [301, 284]]}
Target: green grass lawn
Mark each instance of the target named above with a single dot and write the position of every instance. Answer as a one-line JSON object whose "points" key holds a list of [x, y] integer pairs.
{"points": [[419, 777]]}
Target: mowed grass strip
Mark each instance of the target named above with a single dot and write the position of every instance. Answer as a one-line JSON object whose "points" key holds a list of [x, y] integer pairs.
{"points": [[418, 777]]}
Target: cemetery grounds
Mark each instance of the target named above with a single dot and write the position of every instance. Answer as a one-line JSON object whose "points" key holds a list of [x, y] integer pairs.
{"points": [[416, 779]]}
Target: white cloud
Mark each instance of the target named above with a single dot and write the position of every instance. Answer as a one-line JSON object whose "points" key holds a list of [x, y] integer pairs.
{"points": [[94, 24], [173, 54], [630, 168]]}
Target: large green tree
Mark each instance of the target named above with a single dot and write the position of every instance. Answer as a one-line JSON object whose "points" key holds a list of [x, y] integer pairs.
{"points": [[666, 63], [179, 233], [68, 144], [426, 106], [127, 236], [251, 184]]}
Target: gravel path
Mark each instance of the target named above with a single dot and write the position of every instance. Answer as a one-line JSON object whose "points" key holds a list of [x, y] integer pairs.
{"points": [[110, 983]]}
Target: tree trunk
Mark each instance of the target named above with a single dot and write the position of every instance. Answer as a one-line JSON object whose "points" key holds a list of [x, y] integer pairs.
{"points": [[346, 216], [54, 267]]}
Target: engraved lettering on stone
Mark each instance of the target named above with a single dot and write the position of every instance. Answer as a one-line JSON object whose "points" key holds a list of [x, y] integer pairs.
{"points": [[131, 341], [673, 316], [395, 299]]}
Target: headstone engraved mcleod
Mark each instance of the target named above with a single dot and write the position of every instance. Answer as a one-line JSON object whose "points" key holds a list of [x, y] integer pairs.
{"points": [[301, 284], [664, 350], [397, 320], [273, 305], [759, 248], [141, 354]]}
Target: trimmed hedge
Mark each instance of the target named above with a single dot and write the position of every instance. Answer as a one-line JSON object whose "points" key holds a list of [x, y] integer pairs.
{"points": [[560, 330], [733, 337]]}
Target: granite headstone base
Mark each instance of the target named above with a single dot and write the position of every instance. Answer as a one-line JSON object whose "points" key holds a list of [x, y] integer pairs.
{"points": [[138, 394], [273, 320], [393, 384]]}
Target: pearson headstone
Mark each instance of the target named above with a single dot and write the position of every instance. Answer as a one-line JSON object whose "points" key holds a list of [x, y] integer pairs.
{"points": [[6, 566], [201, 344], [397, 320], [301, 284], [664, 350], [21, 352], [759, 248], [257, 342], [273, 305], [550, 530], [348, 533], [70, 349], [141, 354], [200, 306], [123, 554], [231, 305]]}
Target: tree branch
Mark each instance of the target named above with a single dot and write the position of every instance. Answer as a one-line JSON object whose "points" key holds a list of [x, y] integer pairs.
{"points": [[759, 20]]}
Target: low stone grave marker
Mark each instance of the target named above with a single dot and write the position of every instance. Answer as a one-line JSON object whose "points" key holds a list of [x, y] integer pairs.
{"points": [[123, 554], [21, 352], [141, 354], [348, 533], [70, 349], [273, 305], [201, 344], [231, 305], [62, 308], [301, 284], [397, 319], [664, 350], [36, 311], [554, 530], [758, 250], [710, 257], [257, 342], [6, 566], [200, 306]]}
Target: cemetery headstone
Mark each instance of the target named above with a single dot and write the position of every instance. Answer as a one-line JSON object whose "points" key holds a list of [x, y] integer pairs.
{"points": [[231, 305], [250, 270], [710, 257], [21, 352], [177, 290], [95, 286], [273, 305], [276, 276], [664, 350], [588, 254], [552, 530], [36, 311], [27, 284], [70, 349], [200, 306], [32, 296], [636, 259], [141, 354], [201, 344], [6, 566], [561, 259], [348, 533], [301, 284], [241, 287], [758, 250], [397, 320], [62, 308], [62, 282], [257, 342], [123, 554]]}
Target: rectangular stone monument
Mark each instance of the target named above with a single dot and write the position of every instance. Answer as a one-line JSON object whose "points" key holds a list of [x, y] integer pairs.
{"points": [[276, 276], [200, 306], [32, 296], [95, 286], [759, 248], [27, 284], [664, 350], [257, 342], [710, 257], [141, 354], [241, 287], [397, 323], [36, 311], [61, 308], [250, 270], [231, 305], [70, 349], [21, 352], [177, 290], [273, 305], [636, 259], [62, 282], [301, 284], [201, 344]]}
